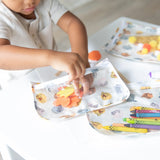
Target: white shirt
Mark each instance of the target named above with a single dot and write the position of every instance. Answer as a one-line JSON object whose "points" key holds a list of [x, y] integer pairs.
{"points": [[36, 33]]}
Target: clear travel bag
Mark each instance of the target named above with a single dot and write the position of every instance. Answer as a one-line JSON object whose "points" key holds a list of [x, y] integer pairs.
{"points": [[135, 41], [56, 99], [124, 119]]}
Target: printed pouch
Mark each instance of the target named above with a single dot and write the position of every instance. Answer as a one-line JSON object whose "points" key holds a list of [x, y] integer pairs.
{"points": [[136, 42], [57, 99], [142, 94]]}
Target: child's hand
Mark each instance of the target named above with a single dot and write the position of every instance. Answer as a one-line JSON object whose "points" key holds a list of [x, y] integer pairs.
{"points": [[69, 62], [86, 82], [73, 64]]}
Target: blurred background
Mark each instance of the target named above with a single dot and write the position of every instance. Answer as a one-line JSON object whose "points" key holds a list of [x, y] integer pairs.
{"points": [[96, 14]]}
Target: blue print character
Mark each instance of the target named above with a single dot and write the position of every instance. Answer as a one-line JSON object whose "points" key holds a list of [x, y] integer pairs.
{"points": [[116, 113], [57, 109], [118, 88]]}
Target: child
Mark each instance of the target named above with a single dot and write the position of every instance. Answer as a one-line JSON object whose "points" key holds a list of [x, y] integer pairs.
{"points": [[26, 38]]}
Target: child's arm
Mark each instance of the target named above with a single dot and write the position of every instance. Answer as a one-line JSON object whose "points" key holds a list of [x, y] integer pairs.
{"points": [[77, 35], [79, 44], [16, 58]]}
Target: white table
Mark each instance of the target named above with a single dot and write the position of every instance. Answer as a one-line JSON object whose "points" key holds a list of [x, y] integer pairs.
{"points": [[35, 138]]}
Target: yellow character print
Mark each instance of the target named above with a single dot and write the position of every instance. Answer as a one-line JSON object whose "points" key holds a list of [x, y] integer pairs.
{"points": [[99, 111], [97, 125], [41, 98], [113, 75], [106, 96], [145, 87]]}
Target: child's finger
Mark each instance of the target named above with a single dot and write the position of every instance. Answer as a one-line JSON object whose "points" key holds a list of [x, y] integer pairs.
{"points": [[76, 86], [72, 73], [75, 71], [92, 90], [86, 85], [78, 70], [87, 82], [83, 69], [83, 66], [90, 76]]}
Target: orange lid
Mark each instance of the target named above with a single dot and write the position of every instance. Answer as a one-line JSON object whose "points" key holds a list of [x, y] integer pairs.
{"points": [[94, 55]]}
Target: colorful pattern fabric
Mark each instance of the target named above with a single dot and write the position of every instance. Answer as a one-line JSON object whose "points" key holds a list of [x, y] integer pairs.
{"points": [[57, 99], [145, 94], [135, 42]]}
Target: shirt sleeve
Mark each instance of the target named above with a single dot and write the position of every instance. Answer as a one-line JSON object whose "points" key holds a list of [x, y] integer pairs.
{"points": [[57, 10], [4, 30]]}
